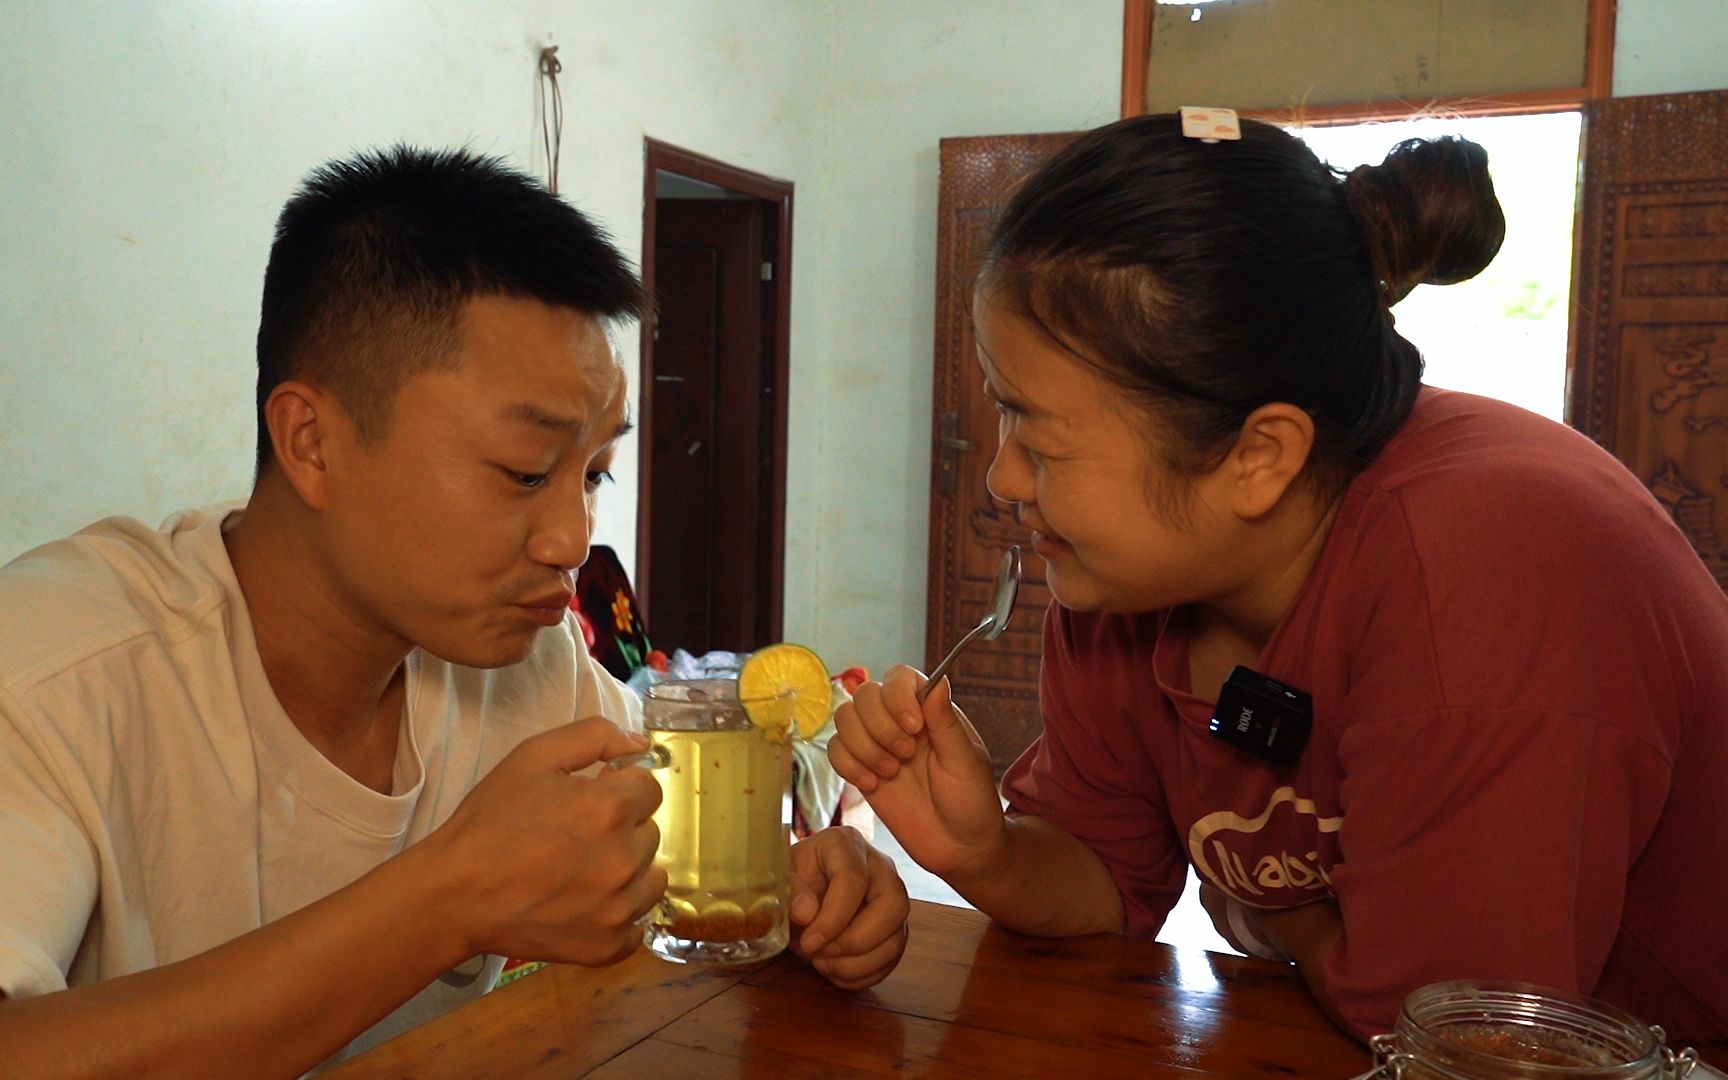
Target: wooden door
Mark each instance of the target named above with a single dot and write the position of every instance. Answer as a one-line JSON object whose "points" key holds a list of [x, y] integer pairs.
{"points": [[1650, 302], [996, 682], [709, 530]]}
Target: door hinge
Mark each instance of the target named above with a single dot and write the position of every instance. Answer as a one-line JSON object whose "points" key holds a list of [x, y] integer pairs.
{"points": [[767, 271]]}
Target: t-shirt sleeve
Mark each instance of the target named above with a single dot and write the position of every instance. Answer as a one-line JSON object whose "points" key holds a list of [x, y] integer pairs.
{"points": [[1484, 843], [47, 868], [1102, 790]]}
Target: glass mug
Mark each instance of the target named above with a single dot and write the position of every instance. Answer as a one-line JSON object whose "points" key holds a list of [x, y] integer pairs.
{"points": [[724, 819]]}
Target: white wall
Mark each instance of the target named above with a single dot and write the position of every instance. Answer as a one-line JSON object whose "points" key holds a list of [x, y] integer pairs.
{"points": [[911, 72], [149, 147], [1670, 46]]}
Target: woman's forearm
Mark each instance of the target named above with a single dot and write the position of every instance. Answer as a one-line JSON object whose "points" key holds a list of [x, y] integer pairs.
{"points": [[1044, 882]]}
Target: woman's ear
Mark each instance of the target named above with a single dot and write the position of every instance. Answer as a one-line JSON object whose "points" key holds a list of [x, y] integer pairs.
{"points": [[1270, 452], [297, 417]]}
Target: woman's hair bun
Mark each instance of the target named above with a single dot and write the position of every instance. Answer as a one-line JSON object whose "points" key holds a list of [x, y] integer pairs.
{"points": [[1428, 214]]}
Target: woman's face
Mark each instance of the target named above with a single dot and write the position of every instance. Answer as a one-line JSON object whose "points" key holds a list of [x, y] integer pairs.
{"points": [[1078, 463]]}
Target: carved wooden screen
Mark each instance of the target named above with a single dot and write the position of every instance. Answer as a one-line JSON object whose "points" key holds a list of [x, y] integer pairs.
{"points": [[996, 682], [1650, 302]]}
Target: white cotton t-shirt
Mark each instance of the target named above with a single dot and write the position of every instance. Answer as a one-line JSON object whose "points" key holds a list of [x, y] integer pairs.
{"points": [[155, 800]]}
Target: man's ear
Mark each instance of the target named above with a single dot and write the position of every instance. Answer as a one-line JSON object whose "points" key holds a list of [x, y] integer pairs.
{"points": [[299, 418], [1274, 444]]}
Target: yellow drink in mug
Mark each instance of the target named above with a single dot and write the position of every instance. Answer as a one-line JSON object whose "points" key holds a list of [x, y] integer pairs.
{"points": [[725, 821]]}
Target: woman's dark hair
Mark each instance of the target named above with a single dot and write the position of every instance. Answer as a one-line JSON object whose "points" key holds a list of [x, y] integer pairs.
{"points": [[1209, 279], [376, 254]]}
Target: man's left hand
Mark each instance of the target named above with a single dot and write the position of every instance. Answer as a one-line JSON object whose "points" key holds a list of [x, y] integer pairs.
{"points": [[849, 908]]}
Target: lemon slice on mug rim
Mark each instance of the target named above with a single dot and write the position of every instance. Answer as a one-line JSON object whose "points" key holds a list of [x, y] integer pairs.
{"points": [[775, 669]]}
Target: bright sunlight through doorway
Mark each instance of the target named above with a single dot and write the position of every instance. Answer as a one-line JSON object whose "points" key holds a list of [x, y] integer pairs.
{"points": [[1503, 333]]}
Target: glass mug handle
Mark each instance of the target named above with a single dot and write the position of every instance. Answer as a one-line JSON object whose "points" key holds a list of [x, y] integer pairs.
{"points": [[655, 757]]}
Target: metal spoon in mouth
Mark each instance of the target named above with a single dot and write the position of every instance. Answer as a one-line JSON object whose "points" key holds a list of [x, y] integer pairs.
{"points": [[995, 620]]}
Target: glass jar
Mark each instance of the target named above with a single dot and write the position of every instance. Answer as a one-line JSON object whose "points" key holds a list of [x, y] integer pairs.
{"points": [[1478, 1029]]}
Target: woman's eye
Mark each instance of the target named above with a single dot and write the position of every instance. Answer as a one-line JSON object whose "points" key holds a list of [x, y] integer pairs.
{"points": [[527, 480], [596, 477]]}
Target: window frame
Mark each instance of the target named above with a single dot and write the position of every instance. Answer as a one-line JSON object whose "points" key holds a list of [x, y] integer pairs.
{"points": [[1137, 18]]}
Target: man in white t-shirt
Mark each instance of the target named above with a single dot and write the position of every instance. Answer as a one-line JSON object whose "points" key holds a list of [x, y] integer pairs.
{"points": [[280, 780]]}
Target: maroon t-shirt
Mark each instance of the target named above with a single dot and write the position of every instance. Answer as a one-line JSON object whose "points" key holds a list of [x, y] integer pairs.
{"points": [[1519, 759]]}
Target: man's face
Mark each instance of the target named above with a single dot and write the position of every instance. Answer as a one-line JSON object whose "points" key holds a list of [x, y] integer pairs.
{"points": [[461, 528]]}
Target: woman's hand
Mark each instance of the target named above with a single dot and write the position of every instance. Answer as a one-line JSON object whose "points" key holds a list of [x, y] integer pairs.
{"points": [[924, 771]]}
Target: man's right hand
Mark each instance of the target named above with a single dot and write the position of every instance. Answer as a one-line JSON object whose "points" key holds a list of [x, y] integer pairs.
{"points": [[539, 862], [925, 772]]}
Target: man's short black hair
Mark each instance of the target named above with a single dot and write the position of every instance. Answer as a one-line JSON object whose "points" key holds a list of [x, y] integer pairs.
{"points": [[376, 254]]}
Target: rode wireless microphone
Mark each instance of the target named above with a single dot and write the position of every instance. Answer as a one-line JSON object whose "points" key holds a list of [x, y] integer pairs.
{"points": [[1263, 717]]}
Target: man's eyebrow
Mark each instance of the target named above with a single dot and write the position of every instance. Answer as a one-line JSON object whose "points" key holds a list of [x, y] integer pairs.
{"points": [[529, 413]]}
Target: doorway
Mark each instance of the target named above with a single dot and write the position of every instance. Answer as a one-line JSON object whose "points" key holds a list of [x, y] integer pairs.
{"points": [[711, 521]]}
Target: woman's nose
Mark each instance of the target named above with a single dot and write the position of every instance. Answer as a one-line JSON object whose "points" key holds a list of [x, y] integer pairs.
{"points": [[1009, 479]]}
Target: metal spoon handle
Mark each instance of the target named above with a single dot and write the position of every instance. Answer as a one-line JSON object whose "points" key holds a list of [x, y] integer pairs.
{"points": [[953, 655]]}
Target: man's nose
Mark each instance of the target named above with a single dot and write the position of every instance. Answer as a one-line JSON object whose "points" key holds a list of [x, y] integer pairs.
{"points": [[560, 538]]}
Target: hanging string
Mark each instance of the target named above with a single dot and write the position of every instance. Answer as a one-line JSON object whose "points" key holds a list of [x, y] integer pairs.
{"points": [[551, 122]]}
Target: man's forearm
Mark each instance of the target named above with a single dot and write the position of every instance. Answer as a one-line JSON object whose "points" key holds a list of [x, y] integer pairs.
{"points": [[1044, 882], [273, 1002]]}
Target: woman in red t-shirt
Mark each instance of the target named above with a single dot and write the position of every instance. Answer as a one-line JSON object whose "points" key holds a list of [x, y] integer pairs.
{"points": [[1496, 664]]}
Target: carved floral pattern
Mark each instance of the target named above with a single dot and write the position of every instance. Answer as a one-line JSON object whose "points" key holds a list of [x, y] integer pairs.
{"points": [[1691, 367], [1650, 307]]}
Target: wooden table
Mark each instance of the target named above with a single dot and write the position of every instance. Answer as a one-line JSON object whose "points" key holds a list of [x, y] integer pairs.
{"points": [[969, 999]]}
